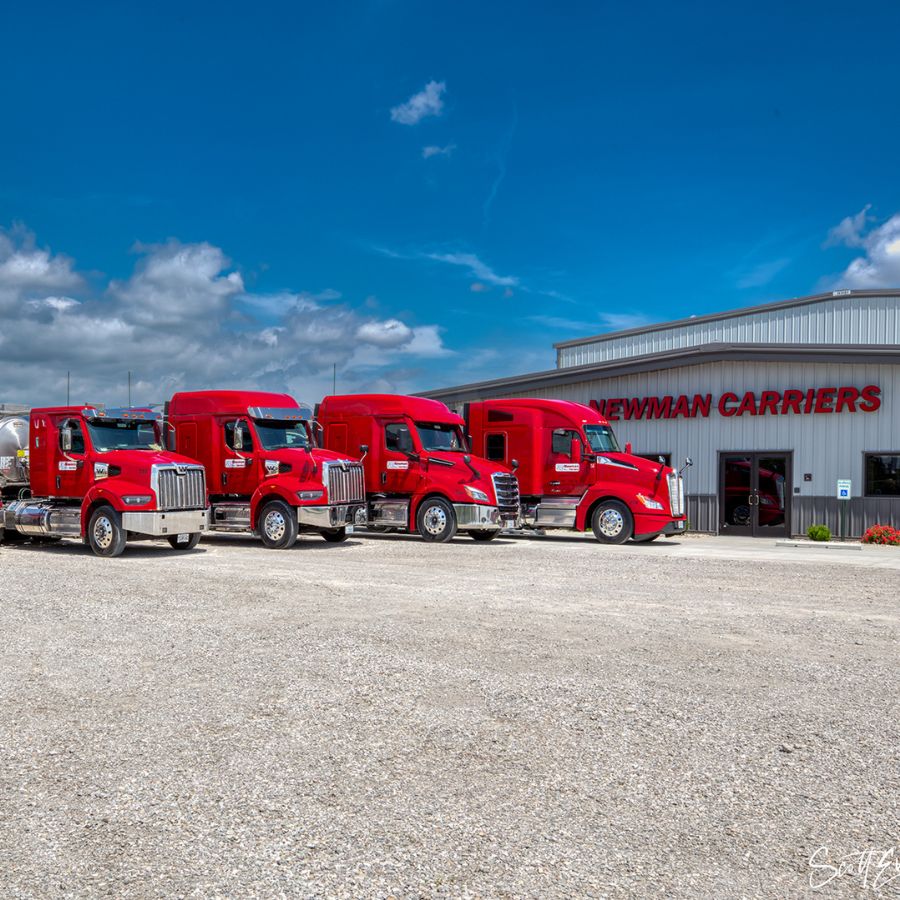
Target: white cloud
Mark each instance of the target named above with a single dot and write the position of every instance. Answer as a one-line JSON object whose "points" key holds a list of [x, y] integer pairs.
{"points": [[481, 271], [184, 320], [428, 102], [849, 230], [879, 266], [434, 150]]}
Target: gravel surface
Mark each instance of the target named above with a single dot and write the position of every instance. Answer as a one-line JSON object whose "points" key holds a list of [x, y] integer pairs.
{"points": [[526, 718]]}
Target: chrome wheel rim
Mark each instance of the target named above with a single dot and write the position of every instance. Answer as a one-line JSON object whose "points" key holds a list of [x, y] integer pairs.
{"points": [[274, 525], [435, 520], [611, 523], [103, 532]]}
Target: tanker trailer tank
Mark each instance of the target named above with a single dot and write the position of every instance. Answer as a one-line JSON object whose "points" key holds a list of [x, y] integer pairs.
{"points": [[13, 455]]}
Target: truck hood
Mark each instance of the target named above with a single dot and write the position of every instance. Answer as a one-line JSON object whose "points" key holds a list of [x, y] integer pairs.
{"points": [[297, 457], [635, 470], [484, 466], [132, 459]]}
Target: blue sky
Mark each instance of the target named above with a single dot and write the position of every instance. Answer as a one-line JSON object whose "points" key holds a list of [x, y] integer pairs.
{"points": [[424, 194]]}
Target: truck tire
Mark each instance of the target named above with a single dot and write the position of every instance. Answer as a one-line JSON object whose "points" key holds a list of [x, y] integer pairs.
{"points": [[105, 534], [612, 522], [277, 525], [335, 535], [484, 535], [189, 544], [645, 538], [436, 520]]}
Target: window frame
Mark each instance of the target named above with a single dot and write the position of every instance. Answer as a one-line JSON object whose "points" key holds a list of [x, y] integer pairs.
{"points": [[249, 431], [865, 474], [496, 434], [568, 451], [409, 431]]}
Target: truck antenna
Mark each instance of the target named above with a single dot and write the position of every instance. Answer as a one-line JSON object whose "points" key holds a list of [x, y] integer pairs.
{"points": [[334, 378], [129, 389], [68, 388]]}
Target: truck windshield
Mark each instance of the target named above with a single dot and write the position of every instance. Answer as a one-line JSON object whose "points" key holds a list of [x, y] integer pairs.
{"points": [[439, 436], [116, 434], [282, 435], [601, 438]]}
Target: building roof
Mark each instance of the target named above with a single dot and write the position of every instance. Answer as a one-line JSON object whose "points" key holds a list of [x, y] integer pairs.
{"points": [[684, 356], [728, 314]]}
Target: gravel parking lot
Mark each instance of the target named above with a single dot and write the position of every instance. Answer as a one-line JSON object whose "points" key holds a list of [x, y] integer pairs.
{"points": [[536, 718]]}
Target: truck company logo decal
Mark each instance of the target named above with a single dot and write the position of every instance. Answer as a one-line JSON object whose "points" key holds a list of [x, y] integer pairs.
{"points": [[235, 463], [68, 466], [568, 467], [397, 464], [771, 403], [271, 467]]}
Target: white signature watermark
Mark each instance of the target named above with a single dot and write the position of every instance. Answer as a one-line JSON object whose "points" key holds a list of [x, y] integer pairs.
{"points": [[874, 869]]}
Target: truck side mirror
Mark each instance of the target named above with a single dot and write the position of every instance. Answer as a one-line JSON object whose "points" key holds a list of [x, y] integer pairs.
{"points": [[238, 436], [65, 437], [628, 447], [575, 450], [364, 449], [514, 464]]}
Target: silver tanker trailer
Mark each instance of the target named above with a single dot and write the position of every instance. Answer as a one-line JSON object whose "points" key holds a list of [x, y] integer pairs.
{"points": [[13, 455]]}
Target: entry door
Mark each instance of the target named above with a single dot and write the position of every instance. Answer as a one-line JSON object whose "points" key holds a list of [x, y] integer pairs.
{"points": [[239, 473], [755, 493], [400, 473]]}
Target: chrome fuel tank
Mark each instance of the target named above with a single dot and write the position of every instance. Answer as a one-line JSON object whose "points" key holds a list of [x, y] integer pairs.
{"points": [[13, 451]]}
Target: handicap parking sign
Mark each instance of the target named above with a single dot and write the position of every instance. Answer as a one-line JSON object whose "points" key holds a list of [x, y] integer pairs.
{"points": [[843, 489]]}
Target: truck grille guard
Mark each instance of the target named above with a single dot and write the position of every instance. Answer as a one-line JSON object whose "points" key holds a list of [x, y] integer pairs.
{"points": [[676, 494], [506, 488], [344, 481], [179, 487]]}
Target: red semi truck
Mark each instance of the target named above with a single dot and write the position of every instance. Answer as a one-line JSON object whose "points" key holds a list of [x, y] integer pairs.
{"points": [[419, 475], [572, 473], [265, 473], [100, 475]]}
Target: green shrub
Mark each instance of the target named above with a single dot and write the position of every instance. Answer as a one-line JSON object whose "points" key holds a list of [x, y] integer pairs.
{"points": [[818, 533]]}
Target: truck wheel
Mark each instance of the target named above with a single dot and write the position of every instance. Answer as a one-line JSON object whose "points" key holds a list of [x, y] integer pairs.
{"points": [[484, 535], [436, 520], [335, 535], [645, 538], [277, 525], [612, 522], [106, 536], [189, 544]]}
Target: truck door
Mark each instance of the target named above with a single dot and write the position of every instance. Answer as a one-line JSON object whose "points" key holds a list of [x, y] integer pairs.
{"points": [[399, 474], [239, 473], [564, 468], [72, 477]]}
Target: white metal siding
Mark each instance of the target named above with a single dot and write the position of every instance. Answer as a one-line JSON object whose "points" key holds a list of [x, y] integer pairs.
{"points": [[839, 320], [830, 446]]}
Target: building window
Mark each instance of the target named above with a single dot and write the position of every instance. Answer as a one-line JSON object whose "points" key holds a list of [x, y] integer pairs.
{"points": [[654, 457], [883, 474], [495, 447]]}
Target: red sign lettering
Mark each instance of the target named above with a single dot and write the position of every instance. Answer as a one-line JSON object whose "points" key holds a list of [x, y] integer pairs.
{"points": [[792, 401]]}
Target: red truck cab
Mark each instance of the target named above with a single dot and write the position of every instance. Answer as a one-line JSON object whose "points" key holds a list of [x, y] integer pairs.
{"points": [[572, 473], [266, 475], [419, 474], [102, 475]]}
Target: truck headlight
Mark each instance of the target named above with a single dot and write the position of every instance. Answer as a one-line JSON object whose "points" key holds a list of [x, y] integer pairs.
{"points": [[475, 494], [649, 502], [136, 499], [310, 495]]}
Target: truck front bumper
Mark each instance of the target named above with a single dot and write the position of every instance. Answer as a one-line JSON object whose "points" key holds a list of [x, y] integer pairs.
{"points": [[650, 524], [337, 516], [163, 524], [475, 517]]}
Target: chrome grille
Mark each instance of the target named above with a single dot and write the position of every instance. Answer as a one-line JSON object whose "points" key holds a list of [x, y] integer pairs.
{"points": [[676, 494], [506, 487], [180, 487], [345, 482]]}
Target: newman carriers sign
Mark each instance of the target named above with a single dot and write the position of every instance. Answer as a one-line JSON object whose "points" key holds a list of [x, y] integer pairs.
{"points": [[767, 403]]}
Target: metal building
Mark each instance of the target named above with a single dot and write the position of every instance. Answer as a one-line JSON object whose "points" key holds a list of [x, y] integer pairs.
{"points": [[775, 404]]}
